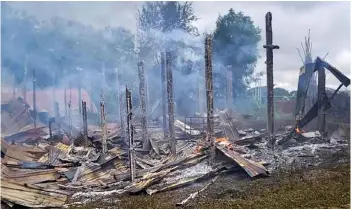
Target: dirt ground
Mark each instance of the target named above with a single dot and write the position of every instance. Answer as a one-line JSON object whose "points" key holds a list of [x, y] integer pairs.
{"points": [[313, 188]]}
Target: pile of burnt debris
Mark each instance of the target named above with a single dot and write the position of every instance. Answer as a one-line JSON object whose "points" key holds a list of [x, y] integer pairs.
{"points": [[41, 171]]}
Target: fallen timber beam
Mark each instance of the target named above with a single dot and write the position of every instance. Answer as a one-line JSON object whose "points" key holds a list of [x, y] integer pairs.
{"points": [[253, 169]]}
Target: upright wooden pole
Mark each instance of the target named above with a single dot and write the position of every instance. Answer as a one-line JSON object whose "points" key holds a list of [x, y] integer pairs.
{"points": [[163, 95], [170, 103], [209, 96], [85, 122], [229, 98], [269, 53], [142, 92], [34, 101], [120, 104], [321, 100], [130, 134]]}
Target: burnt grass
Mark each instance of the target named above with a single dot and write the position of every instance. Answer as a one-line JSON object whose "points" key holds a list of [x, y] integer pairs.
{"points": [[322, 187]]}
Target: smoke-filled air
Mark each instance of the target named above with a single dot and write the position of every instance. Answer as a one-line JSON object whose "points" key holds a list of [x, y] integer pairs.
{"points": [[66, 54]]}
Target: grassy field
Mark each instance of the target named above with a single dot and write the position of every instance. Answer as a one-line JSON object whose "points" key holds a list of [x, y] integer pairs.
{"points": [[313, 188]]}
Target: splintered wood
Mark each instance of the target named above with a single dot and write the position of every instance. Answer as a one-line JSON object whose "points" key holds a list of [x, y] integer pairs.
{"points": [[142, 92], [170, 103], [209, 94], [130, 134]]}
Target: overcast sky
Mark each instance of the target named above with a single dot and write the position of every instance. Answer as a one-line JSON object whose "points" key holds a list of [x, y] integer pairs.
{"points": [[329, 23]]}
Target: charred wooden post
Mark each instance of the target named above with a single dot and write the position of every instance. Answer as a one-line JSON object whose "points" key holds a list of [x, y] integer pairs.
{"points": [[34, 101], [85, 122], [120, 104], [24, 81], [170, 103], [70, 114], [65, 94], [57, 110], [103, 126], [130, 130], [50, 128], [229, 96], [322, 100], [54, 94], [142, 92], [163, 95], [209, 96], [269, 53], [79, 96]]}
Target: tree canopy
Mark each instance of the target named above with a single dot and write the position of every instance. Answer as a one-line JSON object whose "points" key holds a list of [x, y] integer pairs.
{"points": [[236, 44]]}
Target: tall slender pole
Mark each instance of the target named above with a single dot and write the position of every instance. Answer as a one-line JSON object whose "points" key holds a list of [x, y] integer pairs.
{"points": [[25, 80], [209, 94], [269, 53], [54, 94], [229, 87], [79, 93], [70, 113], [85, 122], [120, 103], [130, 129], [321, 100], [34, 100], [163, 95], [102, 113], [65, 95], [142, 92], [170, 103]]}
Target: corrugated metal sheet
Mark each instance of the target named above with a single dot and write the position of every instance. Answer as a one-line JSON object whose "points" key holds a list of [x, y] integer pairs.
{"points": [[29, 195], [29, 176], [251, 168]]}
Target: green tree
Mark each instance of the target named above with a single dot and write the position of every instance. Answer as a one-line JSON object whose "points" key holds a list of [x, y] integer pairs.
{"points": [[236, 43]]}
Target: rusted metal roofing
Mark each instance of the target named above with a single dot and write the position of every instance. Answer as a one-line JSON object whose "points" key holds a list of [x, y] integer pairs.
{"points": [[252, 168], [29, 176], [16, 153], [29, 195]]}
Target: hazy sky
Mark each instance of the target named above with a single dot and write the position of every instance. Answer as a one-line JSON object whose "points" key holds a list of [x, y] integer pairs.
{"points": [[329, 23]]}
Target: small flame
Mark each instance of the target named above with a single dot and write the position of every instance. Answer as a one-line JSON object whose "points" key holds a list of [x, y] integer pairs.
{"points": [[225, 142], [298, 130]]}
